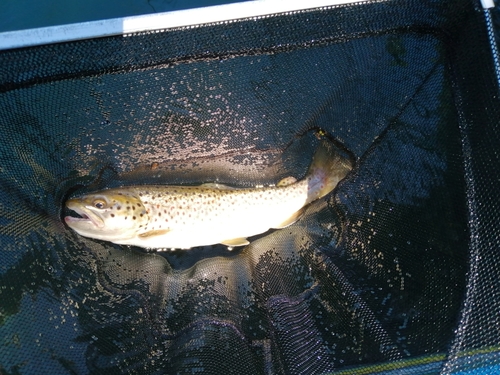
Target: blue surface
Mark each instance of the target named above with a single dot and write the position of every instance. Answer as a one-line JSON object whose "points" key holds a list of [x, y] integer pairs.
{"points": [[481, 371], [28, 14]]}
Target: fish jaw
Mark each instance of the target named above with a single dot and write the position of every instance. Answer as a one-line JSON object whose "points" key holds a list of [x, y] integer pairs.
{"points": [[88, 218]]}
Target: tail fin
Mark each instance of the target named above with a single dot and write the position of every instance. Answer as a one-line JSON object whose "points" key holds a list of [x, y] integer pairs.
{"points": [[330, 164]]}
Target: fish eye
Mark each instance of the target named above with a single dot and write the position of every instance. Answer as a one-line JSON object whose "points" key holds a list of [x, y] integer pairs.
{"points": [[99, 203]]}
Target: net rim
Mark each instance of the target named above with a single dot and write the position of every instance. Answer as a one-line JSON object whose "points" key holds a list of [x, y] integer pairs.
{"points": [[158, 21]]}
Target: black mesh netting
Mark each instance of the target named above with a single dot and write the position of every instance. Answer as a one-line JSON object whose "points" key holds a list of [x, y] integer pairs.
{"points": [[395, 271]]}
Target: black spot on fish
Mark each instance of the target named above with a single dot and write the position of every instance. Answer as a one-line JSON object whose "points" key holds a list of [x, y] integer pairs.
{"points": [[133, 208], [125, 217], [126, 202], [128, 207], [141, 215], [159, 213], [138, 205], [133, 217], [112, 215], [118, 208]]}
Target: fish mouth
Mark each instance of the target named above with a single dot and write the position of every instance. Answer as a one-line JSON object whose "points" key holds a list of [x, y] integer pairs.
{"points": [[86, 216]]}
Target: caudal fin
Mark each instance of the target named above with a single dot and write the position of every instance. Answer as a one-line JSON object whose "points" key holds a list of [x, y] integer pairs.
{"points": [[330, 164]]}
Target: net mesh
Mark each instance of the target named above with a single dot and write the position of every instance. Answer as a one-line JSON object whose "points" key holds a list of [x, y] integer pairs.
{"points": [[393, 272]]}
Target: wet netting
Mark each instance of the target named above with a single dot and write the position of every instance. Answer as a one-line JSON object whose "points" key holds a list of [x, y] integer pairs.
{"points": [[394, 272]]}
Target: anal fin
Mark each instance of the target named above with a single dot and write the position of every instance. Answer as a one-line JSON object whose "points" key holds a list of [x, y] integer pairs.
{"points": [[235, 242], [292, 219]]}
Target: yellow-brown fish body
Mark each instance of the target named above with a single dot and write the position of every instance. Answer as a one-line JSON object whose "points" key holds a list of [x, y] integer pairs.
{"points": [[182, 217]]}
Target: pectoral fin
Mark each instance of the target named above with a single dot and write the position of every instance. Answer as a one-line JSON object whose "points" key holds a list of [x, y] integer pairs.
{"points": [[235, 242], [292, 219], [154, 233]]}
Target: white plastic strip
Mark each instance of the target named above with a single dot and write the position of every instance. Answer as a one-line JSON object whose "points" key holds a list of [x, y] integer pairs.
{"points": [[488, 4], [158, 21]]}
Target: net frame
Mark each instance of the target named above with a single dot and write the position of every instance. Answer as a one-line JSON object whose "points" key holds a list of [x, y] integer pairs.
{"points": [[470, 146]]}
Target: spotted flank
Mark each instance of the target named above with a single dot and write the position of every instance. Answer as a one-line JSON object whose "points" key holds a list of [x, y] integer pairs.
{"points": [[182, 217]]}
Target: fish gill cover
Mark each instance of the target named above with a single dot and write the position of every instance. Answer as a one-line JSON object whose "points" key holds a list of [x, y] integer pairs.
{"points": [[373, 273]]}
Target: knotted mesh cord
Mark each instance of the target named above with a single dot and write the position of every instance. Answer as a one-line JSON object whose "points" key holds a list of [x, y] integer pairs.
{"points": [[382, 271]]}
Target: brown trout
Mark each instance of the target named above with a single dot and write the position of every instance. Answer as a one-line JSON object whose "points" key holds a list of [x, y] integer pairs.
{"points": [[182, 217]]}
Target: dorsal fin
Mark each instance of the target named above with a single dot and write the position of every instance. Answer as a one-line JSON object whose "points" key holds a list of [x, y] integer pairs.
{"points": [[286, 181], [215, 185]]}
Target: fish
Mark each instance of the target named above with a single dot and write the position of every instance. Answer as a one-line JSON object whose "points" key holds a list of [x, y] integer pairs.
{"points": [[183, 217]]}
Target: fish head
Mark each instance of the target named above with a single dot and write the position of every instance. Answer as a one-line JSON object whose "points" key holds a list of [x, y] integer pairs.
{"points": [[108, 216]]}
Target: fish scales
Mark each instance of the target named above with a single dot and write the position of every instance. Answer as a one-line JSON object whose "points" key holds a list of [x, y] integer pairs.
{"points": [[164, 216], [221, 214]]}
